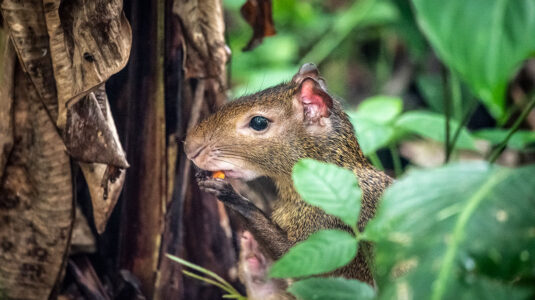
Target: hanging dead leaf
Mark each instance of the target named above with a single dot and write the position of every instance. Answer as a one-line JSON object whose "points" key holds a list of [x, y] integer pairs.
{"points": [[89, 136], [72, 47], [26, 25], [105, 158], [206, 52], [105, 188], [89, 42], [36, 188], [258, 14]]}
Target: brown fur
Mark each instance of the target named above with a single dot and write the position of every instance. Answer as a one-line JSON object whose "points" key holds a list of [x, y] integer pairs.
{"points": [[274, 156]]}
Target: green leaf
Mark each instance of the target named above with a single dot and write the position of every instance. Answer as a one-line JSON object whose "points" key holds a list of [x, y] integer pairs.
{"points": [[371, 135], [322, 252], [484, 41], [380, 109], [432, 125], [334, 288], [440, 234], [332, 188], [519, 141]]}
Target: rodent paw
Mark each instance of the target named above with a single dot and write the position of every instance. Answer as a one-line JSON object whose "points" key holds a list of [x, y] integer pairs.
{"points": [[218, 187], [202, 174]]}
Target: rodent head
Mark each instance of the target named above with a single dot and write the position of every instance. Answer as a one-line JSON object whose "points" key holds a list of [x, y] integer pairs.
{"points": [[266, 133]]}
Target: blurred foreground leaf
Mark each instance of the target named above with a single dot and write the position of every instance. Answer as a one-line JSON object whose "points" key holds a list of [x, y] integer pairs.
{"points": [[461, 231]]}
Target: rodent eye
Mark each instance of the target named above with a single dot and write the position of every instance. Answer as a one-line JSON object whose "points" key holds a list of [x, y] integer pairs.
{"points": [[258, 123]]}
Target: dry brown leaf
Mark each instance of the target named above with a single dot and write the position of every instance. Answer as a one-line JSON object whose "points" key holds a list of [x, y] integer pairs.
{"points": [[103, 196], [89, 42], [73, 48], [206, 52], [36, 201], [258, 14], [83, 240], [105, 180], [26, 24], [90, 134]]}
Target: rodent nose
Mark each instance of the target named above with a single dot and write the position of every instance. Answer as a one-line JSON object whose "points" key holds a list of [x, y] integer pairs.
{"points": [[193, 148]]}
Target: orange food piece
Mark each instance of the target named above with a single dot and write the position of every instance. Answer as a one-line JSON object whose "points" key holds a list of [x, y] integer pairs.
{"points": [[218, 174]]}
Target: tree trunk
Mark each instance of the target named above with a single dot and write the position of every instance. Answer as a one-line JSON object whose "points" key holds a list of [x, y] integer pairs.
{"points": [[162, 209]]}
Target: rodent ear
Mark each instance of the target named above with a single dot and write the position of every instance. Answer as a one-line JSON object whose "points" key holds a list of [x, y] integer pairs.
{"points": [[309, 70], [315, 101]]}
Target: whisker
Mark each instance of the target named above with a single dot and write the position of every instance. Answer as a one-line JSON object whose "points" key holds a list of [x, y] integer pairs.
{"points": [[219, 159]]}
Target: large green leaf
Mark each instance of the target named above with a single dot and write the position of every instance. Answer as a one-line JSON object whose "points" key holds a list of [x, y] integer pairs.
{"points": [[444, 233], [432, 125], [332, 289], [332, 188], [322, 252], [519, 141], [485, 41]]}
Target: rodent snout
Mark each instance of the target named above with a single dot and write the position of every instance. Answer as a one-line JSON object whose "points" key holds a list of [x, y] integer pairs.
{"points": [[193, 148]]}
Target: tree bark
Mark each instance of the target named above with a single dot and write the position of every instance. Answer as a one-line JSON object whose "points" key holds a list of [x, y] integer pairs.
{"points": [[162, 209]]}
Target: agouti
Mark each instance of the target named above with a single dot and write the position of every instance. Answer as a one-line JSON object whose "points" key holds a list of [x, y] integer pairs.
{"points": [[265, 134]]}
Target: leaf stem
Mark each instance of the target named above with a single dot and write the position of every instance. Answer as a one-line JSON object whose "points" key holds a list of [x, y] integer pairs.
{"points": [[376, 161], [451, 97], [501, 146], [468, 115], [396, 160]]}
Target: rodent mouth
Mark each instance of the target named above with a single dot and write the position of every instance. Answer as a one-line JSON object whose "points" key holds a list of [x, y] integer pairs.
{"points": [[227, 173], [231, 170]]}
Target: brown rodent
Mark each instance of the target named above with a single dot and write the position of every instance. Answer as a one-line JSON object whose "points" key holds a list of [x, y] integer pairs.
{"points": [[265, 134]]}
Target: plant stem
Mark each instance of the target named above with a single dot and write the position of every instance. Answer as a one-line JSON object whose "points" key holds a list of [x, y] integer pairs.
{"points": [[456, 96], [447, 114], [376, 161], [471, 109], [501, 146], [396, 160]]}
